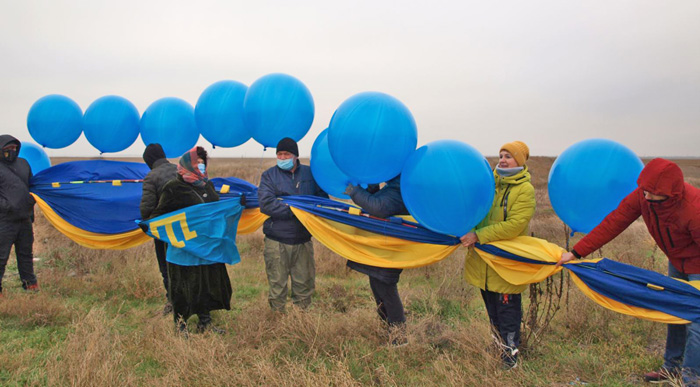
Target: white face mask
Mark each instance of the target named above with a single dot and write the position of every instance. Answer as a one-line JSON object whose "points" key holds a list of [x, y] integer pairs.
{"points": [[202, 168]]}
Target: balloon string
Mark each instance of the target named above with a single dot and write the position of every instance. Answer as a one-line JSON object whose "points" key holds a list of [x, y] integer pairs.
{"points": [[260, 166]]}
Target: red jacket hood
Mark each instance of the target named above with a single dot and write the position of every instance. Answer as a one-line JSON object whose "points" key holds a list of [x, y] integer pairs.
{"points": [[662, 177]]}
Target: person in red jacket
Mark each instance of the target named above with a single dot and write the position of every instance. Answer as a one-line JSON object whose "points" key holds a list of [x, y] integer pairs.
{"points": [[670, 208]]}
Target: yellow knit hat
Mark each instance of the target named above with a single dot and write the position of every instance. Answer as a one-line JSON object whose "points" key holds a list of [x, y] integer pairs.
{"points": [[518, 150]]}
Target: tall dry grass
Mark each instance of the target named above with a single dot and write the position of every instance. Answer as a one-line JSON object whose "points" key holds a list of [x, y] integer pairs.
{"points": [[97, 321]]}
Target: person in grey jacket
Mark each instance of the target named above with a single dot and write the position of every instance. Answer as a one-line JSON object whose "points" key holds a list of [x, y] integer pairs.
{"points": [[289, 251], [16, 212], [162, 171], [383, 203]]}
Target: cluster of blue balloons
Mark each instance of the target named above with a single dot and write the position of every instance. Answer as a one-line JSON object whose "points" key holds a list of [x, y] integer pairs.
{"points": [[227, 114], [446, 185]]}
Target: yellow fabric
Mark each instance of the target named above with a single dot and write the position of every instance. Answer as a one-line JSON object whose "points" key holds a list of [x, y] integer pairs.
{"points": [[619, 307], [370, 248], [90, 239], [539, 249], [520, 207], [523, 273], [251, 220]]}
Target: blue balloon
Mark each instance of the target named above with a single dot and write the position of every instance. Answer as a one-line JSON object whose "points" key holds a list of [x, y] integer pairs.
{"points": [[447, 186], [278, 106], [219, 114], [35, 156], [326, 173], [111, 124], [590, 179], [371, 135], [55, 121], [170, 123]]}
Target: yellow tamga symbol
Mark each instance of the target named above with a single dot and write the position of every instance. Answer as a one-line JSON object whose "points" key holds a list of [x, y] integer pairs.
{"points": [[168, 223]]}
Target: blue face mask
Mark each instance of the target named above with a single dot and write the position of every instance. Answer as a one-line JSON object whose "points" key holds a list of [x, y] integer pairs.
{"points": [[202, 168], [287, 164]]}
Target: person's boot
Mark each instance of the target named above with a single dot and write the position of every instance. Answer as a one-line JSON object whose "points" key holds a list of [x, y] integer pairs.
{"points": [[205, 324], [509, 356], [397, 335], [31, 288]]}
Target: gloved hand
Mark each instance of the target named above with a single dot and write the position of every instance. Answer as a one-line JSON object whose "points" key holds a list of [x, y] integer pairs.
{"points": [[243, 200], [349, 189], [373, 188]]}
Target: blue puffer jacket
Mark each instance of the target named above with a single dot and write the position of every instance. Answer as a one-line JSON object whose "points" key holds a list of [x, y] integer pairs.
{"points": [[283, 226], [384, 203]]}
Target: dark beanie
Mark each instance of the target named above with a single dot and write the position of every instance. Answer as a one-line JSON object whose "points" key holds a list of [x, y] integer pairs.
{"points": [[153, 153], [289, 145]]}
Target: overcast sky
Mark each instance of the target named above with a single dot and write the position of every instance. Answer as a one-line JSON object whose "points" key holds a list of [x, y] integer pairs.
{"points": [[549, 73]]}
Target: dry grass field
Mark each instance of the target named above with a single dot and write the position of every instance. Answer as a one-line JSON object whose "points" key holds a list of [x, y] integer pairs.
{"points": [[97, 320]]}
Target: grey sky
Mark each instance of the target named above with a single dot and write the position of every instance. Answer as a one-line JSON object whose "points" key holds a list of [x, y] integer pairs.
{"points": [[549, 73]]}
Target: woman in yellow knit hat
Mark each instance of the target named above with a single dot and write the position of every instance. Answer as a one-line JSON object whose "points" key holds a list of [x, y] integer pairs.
{"points": [[509, 217]]}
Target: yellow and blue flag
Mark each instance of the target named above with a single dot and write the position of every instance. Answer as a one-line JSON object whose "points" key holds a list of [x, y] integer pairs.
{"points": [[202, 234]]}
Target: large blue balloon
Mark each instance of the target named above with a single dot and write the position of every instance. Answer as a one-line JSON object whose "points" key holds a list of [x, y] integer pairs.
{"points": [[590, 179], [278, 106], [170, 122], [111, 124], [35, 156], [55, 121], [371, 135], [447, 186], [219, 114], [326, 173]]}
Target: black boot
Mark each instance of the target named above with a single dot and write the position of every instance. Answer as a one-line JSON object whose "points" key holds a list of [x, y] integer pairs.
{"points": [[205, 324]]}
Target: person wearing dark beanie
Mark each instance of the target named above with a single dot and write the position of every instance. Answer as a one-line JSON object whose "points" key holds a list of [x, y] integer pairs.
{"points": [[288, 251], [162, 171], [288, 145]]}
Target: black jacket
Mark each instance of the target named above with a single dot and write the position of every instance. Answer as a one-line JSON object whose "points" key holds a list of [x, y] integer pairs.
{"points": [[384, 203], [178, 194], [283, 226], [16, 204], [154, 182]]}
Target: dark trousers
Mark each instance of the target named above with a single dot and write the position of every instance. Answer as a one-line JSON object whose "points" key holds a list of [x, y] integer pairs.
{"points": [[161, 248], [505, 313], [21, 235], [389, 306]]}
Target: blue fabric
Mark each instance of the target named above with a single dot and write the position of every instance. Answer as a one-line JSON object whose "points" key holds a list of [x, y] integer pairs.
{"points": [[628, 284], [237, 187], [399, 228], [504, 254], [215, 225], [95, 207], [104, 208]]}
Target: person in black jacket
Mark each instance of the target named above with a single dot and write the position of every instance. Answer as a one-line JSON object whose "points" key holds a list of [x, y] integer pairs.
{"points": [[16, 212], [289, 251], [162, 171], [383, 203], [193, 289]]}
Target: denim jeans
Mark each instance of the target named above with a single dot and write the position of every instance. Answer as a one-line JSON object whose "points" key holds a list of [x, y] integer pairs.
{"points": [[683, 342]]}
